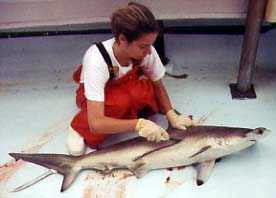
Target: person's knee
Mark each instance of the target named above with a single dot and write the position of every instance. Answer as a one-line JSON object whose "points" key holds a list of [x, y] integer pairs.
{"points": [[75, 143]]}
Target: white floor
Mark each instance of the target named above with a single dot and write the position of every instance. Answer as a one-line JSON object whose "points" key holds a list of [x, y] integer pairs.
{"points": [[37, 105]]}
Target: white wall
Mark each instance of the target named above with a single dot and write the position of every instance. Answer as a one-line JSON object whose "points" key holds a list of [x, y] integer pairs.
{"points": [[41, 13]]}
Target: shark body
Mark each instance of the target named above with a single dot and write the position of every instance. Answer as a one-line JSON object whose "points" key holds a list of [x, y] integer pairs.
{"points": [[197, 146]]}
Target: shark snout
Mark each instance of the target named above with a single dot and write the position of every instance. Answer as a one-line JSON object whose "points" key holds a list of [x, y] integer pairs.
{"points": [[257, 133], [262, 131]]}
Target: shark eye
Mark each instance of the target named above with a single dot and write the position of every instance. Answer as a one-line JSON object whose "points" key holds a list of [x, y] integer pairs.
{"points": [[259, 131]]}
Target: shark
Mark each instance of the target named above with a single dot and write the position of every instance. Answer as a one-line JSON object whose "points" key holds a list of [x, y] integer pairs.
{"points": [[197, 146]]}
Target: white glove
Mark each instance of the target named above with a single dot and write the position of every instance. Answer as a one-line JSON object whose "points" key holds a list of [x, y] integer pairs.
{"points": [[179, 121], [151, 131]]}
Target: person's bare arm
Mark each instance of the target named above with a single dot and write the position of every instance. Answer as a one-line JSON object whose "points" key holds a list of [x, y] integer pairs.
{"points": [[98, 122], [162, 96]]}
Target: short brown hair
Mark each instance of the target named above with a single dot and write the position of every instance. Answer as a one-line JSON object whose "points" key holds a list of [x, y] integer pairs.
{"points": [[133, 21]]}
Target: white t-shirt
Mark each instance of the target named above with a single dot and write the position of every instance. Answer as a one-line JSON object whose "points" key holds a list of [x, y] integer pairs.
{"points": [[95, 72]]}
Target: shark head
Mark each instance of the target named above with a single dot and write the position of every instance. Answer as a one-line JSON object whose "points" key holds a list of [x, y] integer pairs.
{"points": [[239, 139], [257, 134]]}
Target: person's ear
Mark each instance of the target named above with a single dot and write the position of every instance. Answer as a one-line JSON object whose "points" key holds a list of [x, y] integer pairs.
{"points": [[122, 40]]}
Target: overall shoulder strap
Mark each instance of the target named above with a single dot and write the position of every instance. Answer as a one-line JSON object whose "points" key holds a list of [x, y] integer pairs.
{"points": [[106, 58]]}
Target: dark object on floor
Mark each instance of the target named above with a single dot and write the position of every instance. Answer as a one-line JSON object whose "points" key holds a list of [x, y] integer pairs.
{"points": [[237, 94]]}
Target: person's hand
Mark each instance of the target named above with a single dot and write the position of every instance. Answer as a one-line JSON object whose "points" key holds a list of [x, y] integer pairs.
{"points": [[151, 131], [179, 121]]}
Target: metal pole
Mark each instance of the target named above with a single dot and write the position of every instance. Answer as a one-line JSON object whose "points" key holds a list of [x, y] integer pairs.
{"points": [[255, 15]]}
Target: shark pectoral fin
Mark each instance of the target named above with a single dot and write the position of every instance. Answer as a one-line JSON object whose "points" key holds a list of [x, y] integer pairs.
{"points": [[204, 170], [139, 169], [203, 149]]}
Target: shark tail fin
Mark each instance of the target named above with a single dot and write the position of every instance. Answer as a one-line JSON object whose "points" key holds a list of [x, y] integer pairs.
{"points": [[68, 178], [63, 164]]}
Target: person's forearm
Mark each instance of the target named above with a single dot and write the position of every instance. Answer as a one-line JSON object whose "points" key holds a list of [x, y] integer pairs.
{"points": [[109, 125], [162, 96]]}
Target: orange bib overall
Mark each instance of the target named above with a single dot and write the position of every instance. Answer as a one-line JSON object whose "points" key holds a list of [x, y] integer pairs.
{"points": [[128, 97]]}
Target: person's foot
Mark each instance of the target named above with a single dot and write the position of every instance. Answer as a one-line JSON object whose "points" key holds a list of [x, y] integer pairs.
{"points": [[75, 143]]}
